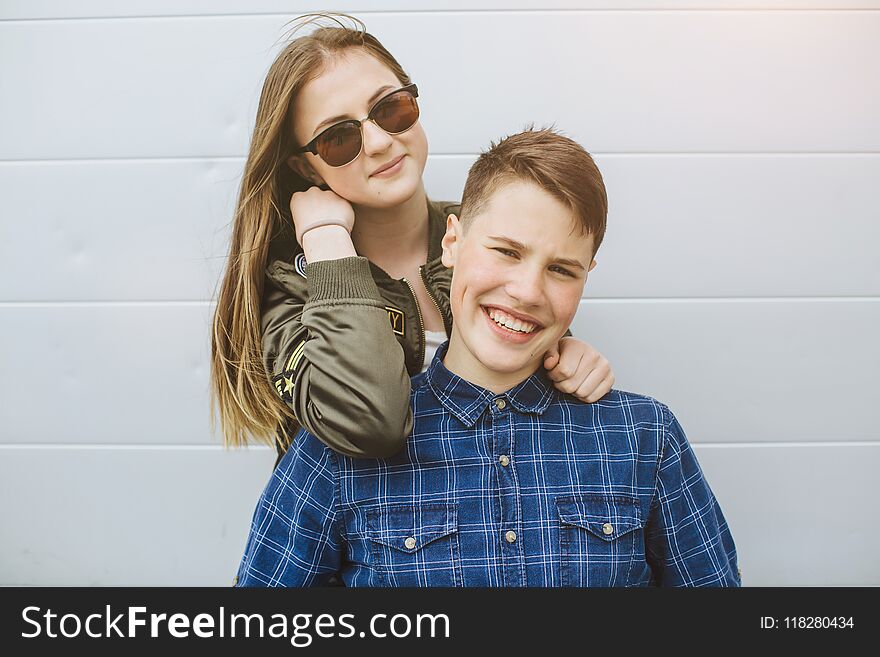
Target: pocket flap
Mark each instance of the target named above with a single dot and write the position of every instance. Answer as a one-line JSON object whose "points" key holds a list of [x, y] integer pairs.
{"points": [[602, 515], [409, 528]]}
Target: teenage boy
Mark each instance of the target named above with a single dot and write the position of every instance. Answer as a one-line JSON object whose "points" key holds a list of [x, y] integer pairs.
{"points": [[504, 481]]}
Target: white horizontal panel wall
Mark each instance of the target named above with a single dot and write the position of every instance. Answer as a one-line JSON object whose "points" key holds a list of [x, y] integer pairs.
{"points": [[800, 515], [117, 230], [92, 373], [25, 9], [745, 371], [733, 371], [126, 517], [619, 81], [740, 142], [740, 226], [158, 229], [167, 517]]}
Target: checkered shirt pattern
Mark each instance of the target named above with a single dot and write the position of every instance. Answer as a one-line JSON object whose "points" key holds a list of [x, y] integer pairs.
{"points": [[526, 488]]}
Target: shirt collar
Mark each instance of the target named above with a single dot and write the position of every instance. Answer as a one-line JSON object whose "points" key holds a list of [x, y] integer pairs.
{"points": [[467, 401]]}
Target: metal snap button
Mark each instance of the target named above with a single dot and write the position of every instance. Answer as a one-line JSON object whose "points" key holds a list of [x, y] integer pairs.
{"points": [[500, 404], [510, 536], [410, 543], [607, 529], [504, 460]]}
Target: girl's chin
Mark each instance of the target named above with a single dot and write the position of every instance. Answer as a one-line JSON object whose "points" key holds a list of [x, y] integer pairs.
{"points": [[388, 196]]}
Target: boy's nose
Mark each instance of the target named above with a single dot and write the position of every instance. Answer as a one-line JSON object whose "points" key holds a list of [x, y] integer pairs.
{"points": [[527, 287]]}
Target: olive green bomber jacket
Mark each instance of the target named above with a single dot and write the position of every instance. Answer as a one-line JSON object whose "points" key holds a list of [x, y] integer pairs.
{"points": [[341, 339]]}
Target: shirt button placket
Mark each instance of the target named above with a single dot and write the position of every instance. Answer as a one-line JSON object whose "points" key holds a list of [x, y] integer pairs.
{"points": [[504, 430]]}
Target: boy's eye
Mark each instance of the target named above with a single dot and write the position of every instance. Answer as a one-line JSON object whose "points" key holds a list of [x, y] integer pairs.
{"points": [[506, 252], [554, 268]]}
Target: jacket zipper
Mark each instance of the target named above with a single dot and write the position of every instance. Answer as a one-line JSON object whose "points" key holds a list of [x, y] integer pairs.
{"points": [[421, 359], [434, 299]]}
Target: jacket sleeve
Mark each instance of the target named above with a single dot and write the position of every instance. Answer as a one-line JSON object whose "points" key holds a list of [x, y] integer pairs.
{"points": [[687, 540], [331, 355]]}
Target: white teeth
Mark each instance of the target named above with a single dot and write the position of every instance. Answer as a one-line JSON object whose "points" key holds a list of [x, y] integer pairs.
{"points": [[512, 323]]}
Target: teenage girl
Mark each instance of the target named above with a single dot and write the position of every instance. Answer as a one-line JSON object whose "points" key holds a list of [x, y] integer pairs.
{"points": [[334, 293]]}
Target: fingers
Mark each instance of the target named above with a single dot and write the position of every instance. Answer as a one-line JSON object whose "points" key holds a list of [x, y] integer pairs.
{"points": [[589, 383], [595, 387], [314, 207], [564, 371], [603, 389], [551, 358]]}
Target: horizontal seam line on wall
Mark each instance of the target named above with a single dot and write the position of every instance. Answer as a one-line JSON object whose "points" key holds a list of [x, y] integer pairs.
{"points": [[139, 446], [261, 448], [799, 443], [237, 158], [120, 303], [450, 12], [743, 299], [185, 302], [615, 300]]}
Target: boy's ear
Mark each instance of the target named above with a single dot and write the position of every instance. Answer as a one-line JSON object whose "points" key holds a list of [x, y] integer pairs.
{"points": [[450, 241], [590, 268], [302, 168]]}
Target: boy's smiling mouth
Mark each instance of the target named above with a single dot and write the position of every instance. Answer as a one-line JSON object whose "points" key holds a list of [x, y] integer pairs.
{"points": [[512, 326]]}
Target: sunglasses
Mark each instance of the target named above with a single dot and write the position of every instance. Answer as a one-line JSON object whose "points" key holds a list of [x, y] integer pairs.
{"points": [[342, 142]]}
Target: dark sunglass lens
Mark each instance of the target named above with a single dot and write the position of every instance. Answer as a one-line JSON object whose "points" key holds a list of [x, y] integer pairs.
{"points": [[396, 113], [340, 145]]}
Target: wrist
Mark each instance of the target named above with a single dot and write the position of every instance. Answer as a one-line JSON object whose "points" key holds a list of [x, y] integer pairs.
{"points": [[327, 242]]}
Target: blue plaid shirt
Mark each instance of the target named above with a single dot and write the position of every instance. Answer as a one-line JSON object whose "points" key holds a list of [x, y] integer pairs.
{"points": [[526, 488]]}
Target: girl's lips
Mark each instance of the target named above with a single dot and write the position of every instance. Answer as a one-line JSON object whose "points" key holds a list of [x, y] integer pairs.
{"points": [[390, 171], [507, 335]]}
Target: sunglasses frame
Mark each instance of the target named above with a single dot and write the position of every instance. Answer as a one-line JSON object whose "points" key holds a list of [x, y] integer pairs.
{"points": [[312, 147]]}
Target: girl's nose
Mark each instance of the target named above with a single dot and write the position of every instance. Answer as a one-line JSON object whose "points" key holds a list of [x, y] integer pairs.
{"points": [[376, 139]]}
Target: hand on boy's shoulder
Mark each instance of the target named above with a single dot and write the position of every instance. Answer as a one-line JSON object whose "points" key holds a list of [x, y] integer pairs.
{"points": [[578, 369]]}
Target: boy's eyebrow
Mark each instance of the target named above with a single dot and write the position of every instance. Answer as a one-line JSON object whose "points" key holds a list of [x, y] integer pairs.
{"points": [[343, 117], [522, 247]]}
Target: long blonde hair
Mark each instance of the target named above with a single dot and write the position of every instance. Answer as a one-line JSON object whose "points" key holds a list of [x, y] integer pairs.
{"points": [[241, 395]]}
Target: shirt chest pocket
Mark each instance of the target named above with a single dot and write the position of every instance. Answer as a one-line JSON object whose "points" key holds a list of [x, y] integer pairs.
{"points": [[415, 545], [600, 539]]}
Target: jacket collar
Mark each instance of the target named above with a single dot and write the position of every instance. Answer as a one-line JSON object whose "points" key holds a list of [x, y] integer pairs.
{"points": [[437, 213], [467, 401]]}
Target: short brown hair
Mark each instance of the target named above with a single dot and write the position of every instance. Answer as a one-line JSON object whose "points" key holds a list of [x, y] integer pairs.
{"points": [[555, 163]]}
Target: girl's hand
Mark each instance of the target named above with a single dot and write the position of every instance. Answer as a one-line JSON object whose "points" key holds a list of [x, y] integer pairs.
{"points": [[316, 207], [578, 369]]}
